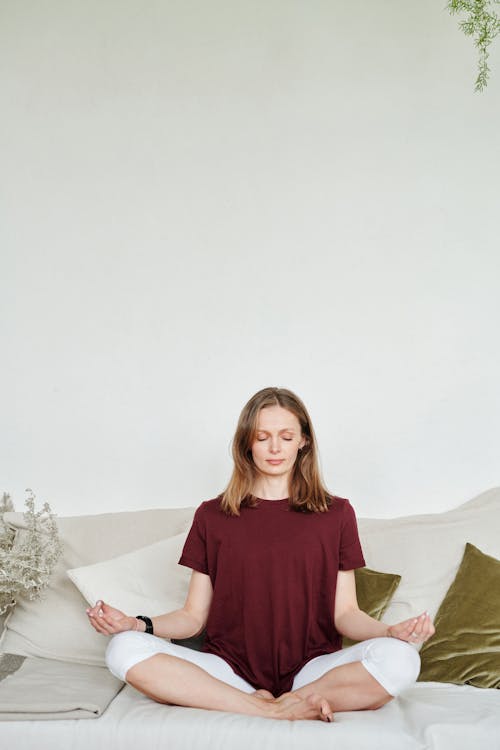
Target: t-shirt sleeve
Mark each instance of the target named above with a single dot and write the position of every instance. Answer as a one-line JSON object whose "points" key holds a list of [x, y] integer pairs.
{"points": [[194, 552], [351, 554]]}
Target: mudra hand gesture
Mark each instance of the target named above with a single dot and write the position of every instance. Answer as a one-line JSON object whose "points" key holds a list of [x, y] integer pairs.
{"points": [[415, 630], [108, 620]]}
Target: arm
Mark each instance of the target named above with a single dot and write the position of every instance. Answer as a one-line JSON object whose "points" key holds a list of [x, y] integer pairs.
{"points": [[349, 620], [181, 623], [192, 618], [352, 622]]}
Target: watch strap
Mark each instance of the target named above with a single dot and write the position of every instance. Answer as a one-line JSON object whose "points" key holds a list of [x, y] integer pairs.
{"points": [[148, 623]]}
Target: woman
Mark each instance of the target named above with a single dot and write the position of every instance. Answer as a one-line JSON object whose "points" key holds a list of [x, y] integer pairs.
{"points": [[272, 581]]}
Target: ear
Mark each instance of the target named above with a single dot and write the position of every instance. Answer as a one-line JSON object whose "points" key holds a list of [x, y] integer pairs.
{"points": [[303, 441]]}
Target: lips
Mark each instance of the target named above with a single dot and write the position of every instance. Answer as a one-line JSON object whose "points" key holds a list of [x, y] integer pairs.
{"points": [[275, 461]]}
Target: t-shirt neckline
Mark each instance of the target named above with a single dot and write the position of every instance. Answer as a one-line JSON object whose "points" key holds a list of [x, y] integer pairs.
{"points": [[278, 500]]}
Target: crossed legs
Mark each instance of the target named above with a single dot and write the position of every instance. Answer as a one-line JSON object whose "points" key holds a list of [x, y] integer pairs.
{"points": [[352, 679], [169, 679]]}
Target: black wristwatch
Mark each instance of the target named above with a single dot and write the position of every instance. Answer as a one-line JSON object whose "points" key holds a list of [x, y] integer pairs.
{"points": [[147, 621]]}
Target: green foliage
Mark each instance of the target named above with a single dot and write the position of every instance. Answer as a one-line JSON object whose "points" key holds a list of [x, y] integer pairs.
{"points": [[28, 557], [483, 24]]}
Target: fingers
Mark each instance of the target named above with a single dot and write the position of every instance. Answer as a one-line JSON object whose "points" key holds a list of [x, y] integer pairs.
{"points": [[403, 630], [100, 624], [421, 630], [424, 628], [417, 630], [96, 609], [96, 624], [93, 615], [100, 621]]}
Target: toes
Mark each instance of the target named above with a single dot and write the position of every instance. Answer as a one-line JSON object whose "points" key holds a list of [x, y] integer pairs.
{"points": [[293, 706], [326, 711], [322, 706]]}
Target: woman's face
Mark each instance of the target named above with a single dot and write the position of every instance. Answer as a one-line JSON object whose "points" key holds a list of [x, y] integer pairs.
{"points": [[277, 441]]}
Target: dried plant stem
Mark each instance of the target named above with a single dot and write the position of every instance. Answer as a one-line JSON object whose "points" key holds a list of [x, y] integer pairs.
{"points": [[483, 24]]}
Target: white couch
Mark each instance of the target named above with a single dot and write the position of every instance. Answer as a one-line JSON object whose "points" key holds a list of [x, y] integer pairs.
{"points": [[426, 550]]}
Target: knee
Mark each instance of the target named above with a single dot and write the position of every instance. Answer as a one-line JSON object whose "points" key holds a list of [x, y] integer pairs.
{"points": [[408, 661], [386, 698], [119, 651], [397, 662], [405, 661]]}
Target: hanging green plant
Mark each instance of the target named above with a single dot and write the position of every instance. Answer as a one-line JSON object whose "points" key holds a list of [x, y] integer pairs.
{"points": [[483, 24]]}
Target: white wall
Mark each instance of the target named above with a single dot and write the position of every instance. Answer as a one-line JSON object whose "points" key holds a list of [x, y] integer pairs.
{"points": [[201, 199]]}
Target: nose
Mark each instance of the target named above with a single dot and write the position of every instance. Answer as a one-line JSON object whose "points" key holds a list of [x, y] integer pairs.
{"points": [[274, 445]]}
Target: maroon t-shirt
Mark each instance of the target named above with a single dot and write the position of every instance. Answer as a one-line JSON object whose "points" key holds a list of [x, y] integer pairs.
{"points": [[274, 576]]}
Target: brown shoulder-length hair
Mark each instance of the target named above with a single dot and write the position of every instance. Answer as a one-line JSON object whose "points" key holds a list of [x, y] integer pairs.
{"points": [[306, 490]]}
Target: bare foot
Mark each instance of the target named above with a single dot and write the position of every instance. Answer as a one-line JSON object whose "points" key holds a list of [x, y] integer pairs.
{"points": [[292, 707], [264, 694]]}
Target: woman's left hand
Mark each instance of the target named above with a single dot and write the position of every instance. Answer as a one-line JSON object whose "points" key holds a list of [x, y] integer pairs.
{"points": [[416, 630]]}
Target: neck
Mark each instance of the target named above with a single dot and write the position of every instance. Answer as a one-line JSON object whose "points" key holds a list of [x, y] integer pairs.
{"points": [[271, 488]]}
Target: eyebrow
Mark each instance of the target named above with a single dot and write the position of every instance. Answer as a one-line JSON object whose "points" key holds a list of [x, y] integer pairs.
{"points": [[285, 429]]}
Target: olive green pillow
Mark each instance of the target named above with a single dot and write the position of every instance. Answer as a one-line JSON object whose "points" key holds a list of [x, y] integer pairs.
{"points": [[466, 646], [374, 591]]}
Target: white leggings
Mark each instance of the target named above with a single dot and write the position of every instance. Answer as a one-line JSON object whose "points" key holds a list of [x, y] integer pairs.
{"points": [[393, 663]]}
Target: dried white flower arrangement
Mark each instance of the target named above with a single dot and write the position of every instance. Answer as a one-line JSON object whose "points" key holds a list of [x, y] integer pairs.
{"points": [[27, 558]]}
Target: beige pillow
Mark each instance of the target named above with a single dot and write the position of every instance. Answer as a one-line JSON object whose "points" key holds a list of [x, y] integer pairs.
{"points": [[56, 627], [147, 581], [427, 549]]}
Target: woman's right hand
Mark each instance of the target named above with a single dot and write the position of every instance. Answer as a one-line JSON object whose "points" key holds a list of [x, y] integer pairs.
{"points": [[108, 620]]}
